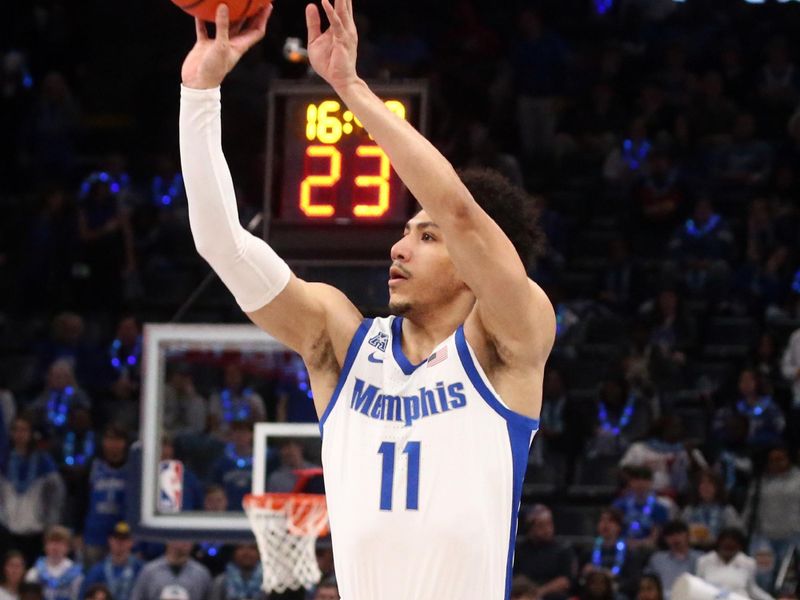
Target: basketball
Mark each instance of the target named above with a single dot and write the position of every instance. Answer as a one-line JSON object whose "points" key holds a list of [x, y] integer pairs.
{"points": [[207, 9]]}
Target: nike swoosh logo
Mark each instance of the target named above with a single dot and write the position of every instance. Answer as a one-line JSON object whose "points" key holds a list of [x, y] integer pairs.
{"points": [[371, 358]]}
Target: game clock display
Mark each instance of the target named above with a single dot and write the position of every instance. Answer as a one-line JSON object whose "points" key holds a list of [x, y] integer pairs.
{"points": [[324, 171]]}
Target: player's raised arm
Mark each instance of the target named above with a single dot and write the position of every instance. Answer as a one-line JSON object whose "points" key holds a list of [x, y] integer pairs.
{"points": [[510, 306], [310, 318]]}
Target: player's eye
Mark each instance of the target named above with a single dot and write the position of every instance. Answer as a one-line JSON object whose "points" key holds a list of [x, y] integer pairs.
{"points": [[427, 237]]}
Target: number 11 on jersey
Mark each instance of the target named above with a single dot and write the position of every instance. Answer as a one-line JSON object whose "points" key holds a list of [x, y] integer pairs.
{"points": [[412, 450]]}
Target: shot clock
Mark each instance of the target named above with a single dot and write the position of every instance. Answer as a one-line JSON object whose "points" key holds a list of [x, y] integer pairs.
{"points": [[330, 189]]}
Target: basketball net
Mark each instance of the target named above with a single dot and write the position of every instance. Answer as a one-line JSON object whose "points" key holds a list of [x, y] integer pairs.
{"points": [[286, 527]]}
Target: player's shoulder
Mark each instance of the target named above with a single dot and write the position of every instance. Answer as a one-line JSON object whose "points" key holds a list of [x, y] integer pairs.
{"points": [[530, 341]]}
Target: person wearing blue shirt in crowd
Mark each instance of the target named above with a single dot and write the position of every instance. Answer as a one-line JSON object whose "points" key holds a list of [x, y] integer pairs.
{"points": [[59, 577], [643, 513], [677, 559], [764, 417], [234, 469], [119, 569], [107, 483], [242, 577]]}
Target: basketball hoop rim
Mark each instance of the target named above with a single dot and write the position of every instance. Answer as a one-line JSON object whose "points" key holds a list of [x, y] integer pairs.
{"points": [[296, 508]]}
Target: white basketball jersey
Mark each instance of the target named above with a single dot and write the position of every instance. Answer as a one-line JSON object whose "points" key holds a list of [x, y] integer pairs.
{"points": [[423, 472]]}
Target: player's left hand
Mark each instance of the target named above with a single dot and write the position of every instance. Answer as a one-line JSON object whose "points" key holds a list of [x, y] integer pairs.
{"points": [[333, 53]]}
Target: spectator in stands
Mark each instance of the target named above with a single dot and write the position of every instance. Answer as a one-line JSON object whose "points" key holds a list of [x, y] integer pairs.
{"points": [[552, 441], [184, 409], [124, 353], [8, 410], [74, 449], [642, 510], [31, 591], [773, 506], [49, 251], [733, 459], [538, 63], [175, 576], [729, 568], [61, 393], [31, 491], [108, 481], [522, 588], [778, 83], [118, 571], [659, 198], [663, 451], [650, 588], [67, 340], [677, 559], [234, 470], [765, 418], [611, 553], [596, 585], [765, 363], [242, 578], [702, 249], [53, 129], [214, 555], [621, 417], [551, 565], [295, 401], [747, 162], [327, 590], [97, 591], [107, 242], [712, 113], [323, 548], [627, 160], [620, 282], [234, 402], [671, 339], [12, 575], [59, 577], [284, 478], [790, 368], [708, 512]]}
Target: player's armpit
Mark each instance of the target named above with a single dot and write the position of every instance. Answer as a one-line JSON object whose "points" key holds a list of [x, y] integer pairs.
{"points": [[309, 317]]}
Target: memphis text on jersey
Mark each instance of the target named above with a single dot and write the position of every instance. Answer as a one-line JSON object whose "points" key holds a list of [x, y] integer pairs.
{"points": [[370, 401]]}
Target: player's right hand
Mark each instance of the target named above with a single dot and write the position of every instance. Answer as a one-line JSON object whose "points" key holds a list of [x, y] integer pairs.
{"points": [[211, 60]]}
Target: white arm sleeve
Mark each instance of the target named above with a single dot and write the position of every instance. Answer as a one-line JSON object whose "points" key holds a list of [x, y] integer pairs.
{"points": [[251, 270]]}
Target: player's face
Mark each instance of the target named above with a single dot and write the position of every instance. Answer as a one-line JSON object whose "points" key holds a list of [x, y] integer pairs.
{"points": [[422, 275]]}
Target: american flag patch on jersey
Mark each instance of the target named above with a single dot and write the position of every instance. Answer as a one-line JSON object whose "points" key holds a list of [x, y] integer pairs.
{"points": [[437, 357]]}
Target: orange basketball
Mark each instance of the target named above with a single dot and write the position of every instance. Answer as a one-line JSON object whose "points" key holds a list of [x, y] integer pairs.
{"points": [[207, 9]]}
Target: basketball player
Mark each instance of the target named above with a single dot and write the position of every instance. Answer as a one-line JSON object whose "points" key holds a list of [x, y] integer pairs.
{"points": [[427, 416]]}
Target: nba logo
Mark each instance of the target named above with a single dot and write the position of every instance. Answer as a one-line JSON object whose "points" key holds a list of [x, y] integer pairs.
{"points": [[170, 486]]}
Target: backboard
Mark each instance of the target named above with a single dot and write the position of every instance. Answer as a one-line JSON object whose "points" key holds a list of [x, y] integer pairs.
{"points": [[226, 410]]}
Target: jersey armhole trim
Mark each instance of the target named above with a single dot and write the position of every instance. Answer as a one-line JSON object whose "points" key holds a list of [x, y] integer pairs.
{"points": [[477, 379], [350, 357]]}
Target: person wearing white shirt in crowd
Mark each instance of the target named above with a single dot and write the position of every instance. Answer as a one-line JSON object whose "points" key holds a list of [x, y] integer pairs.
{"points": [[59, 577], [664, 453], [12, 575], [729, 568]]}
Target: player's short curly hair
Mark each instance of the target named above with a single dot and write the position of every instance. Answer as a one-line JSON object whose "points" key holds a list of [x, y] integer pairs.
{"points": [[510, 207]]}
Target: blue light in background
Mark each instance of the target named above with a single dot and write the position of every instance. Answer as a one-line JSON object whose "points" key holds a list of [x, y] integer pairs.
{"points": [[603, 6]]}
